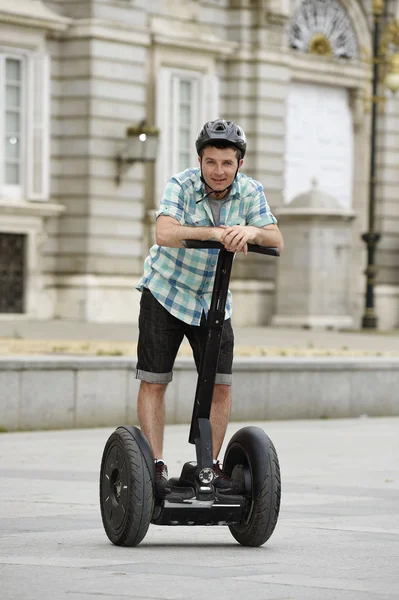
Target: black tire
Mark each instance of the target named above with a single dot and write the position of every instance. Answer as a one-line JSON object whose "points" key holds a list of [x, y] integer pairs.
{"points": [[251, 460], [126, 490]]}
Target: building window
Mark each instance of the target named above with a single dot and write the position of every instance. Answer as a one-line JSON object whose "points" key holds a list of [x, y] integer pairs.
{"points": [[185, 101], [319, 142], [12, 271], [13, 121], [12, 99], [184, 118], [24, 114]]}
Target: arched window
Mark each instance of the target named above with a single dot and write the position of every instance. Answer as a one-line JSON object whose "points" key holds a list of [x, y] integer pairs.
{"points": [[323, 27]]}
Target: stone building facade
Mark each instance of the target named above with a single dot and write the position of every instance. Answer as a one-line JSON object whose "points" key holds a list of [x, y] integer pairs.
{"points": [[74, 74]]}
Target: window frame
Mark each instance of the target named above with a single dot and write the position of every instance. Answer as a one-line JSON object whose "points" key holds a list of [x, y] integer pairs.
{"points": [[13, 192], [205, 107], [35, 120], [177, 77], [194, 82]]}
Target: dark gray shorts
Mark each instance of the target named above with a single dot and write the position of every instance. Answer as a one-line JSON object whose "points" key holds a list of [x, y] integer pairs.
{"points": [[160, 336]]}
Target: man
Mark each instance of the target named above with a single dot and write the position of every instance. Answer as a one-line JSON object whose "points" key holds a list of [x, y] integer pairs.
{"points": [[212, 202]]}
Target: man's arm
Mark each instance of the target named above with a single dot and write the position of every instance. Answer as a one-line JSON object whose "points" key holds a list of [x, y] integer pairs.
{"points": [[169, 232], [236, 238], [270, 235]]}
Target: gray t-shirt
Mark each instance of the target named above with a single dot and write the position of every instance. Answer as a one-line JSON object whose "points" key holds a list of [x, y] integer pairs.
{"points": [[216, 205]]}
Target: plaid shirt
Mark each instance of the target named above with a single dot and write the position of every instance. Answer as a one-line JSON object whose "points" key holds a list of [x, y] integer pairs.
{"points": [[181, 279]]}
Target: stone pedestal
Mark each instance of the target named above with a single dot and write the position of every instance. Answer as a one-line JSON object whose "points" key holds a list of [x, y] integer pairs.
{"points": [[313, 271]]}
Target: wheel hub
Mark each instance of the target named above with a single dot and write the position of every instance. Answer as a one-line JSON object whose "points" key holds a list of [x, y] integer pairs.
{"points": [[116, 484]]}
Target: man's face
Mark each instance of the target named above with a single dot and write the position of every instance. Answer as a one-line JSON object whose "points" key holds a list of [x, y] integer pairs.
{"points": [[219, 166]]}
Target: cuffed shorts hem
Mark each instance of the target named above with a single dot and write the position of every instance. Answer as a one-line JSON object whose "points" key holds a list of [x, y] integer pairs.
{"points": [[223, 378], [161, 378]]}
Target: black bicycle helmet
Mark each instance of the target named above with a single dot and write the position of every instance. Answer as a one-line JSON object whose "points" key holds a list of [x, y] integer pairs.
{"points": [[224, 131]]}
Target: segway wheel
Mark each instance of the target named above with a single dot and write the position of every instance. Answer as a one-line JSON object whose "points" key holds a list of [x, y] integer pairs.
{"points": [[252, 463], [126, 490]]}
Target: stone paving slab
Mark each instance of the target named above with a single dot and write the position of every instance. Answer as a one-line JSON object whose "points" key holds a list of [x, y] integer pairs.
{"points": [[337, 536]]}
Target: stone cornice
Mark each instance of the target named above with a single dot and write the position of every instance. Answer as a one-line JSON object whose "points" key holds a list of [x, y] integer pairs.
{"points": [[31, 209], [306, 213], [114, 31], [31, 13], [276, 18], [189, 35], [305, 67]]}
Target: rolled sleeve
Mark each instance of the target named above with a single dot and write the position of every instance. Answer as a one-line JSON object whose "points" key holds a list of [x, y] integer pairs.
{"points": [[172, 203], [259, 213]]}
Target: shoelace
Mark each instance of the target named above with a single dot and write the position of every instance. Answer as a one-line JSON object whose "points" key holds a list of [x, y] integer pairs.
{"points": [[218, 471], [161, 470]]}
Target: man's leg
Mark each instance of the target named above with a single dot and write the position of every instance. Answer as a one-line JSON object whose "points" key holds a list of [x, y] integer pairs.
{"points": [[220, 414], [160, 335], [151, 413]]}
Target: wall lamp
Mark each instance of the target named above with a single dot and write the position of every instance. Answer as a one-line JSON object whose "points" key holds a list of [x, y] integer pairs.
{"points": [[392, 77], [141, 146]]}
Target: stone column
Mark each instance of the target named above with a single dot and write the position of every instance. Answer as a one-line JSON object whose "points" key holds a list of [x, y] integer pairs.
{"points": [[257, 103], [100, 90]]}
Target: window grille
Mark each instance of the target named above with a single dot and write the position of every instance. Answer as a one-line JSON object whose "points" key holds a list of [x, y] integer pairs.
{"points": [[12, 272]]}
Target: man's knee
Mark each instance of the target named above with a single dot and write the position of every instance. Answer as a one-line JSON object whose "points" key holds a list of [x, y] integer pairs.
{"points": [[154, 389], [221, 392]]}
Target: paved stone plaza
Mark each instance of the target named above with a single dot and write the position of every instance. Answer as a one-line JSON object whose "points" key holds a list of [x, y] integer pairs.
{"points": [[24, 336], [337, 536]]}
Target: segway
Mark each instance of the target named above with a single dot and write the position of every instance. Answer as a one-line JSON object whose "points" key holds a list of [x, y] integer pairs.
{"points": [[250, 508]]}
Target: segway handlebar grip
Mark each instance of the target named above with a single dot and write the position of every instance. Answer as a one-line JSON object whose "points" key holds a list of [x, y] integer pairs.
{"points": [[270, 250]]}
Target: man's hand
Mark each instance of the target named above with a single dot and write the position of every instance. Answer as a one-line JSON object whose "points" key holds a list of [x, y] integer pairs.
{"points": [[235, 238], [217, 233]]}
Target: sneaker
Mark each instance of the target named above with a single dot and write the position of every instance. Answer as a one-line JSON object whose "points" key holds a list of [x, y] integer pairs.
{"points": [[161, 479], [221, 481]]}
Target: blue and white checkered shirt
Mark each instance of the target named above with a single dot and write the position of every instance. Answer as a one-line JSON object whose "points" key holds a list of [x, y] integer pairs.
{"points": [[181, 279]]}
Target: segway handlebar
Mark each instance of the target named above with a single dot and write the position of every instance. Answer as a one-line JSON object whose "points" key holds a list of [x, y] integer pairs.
{"points": [[272, 251]]}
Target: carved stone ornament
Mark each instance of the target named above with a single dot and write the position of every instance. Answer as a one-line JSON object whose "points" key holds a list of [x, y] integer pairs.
{"points": [[323, 27]]}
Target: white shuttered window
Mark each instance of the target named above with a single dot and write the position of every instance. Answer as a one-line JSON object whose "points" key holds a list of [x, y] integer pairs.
{"points": [[38, 152], [185, 101], [12, 99], [24, 126]]}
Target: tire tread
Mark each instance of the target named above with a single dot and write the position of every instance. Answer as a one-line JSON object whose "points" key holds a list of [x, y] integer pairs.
{"points": [[265, 507], [140, 503]]}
